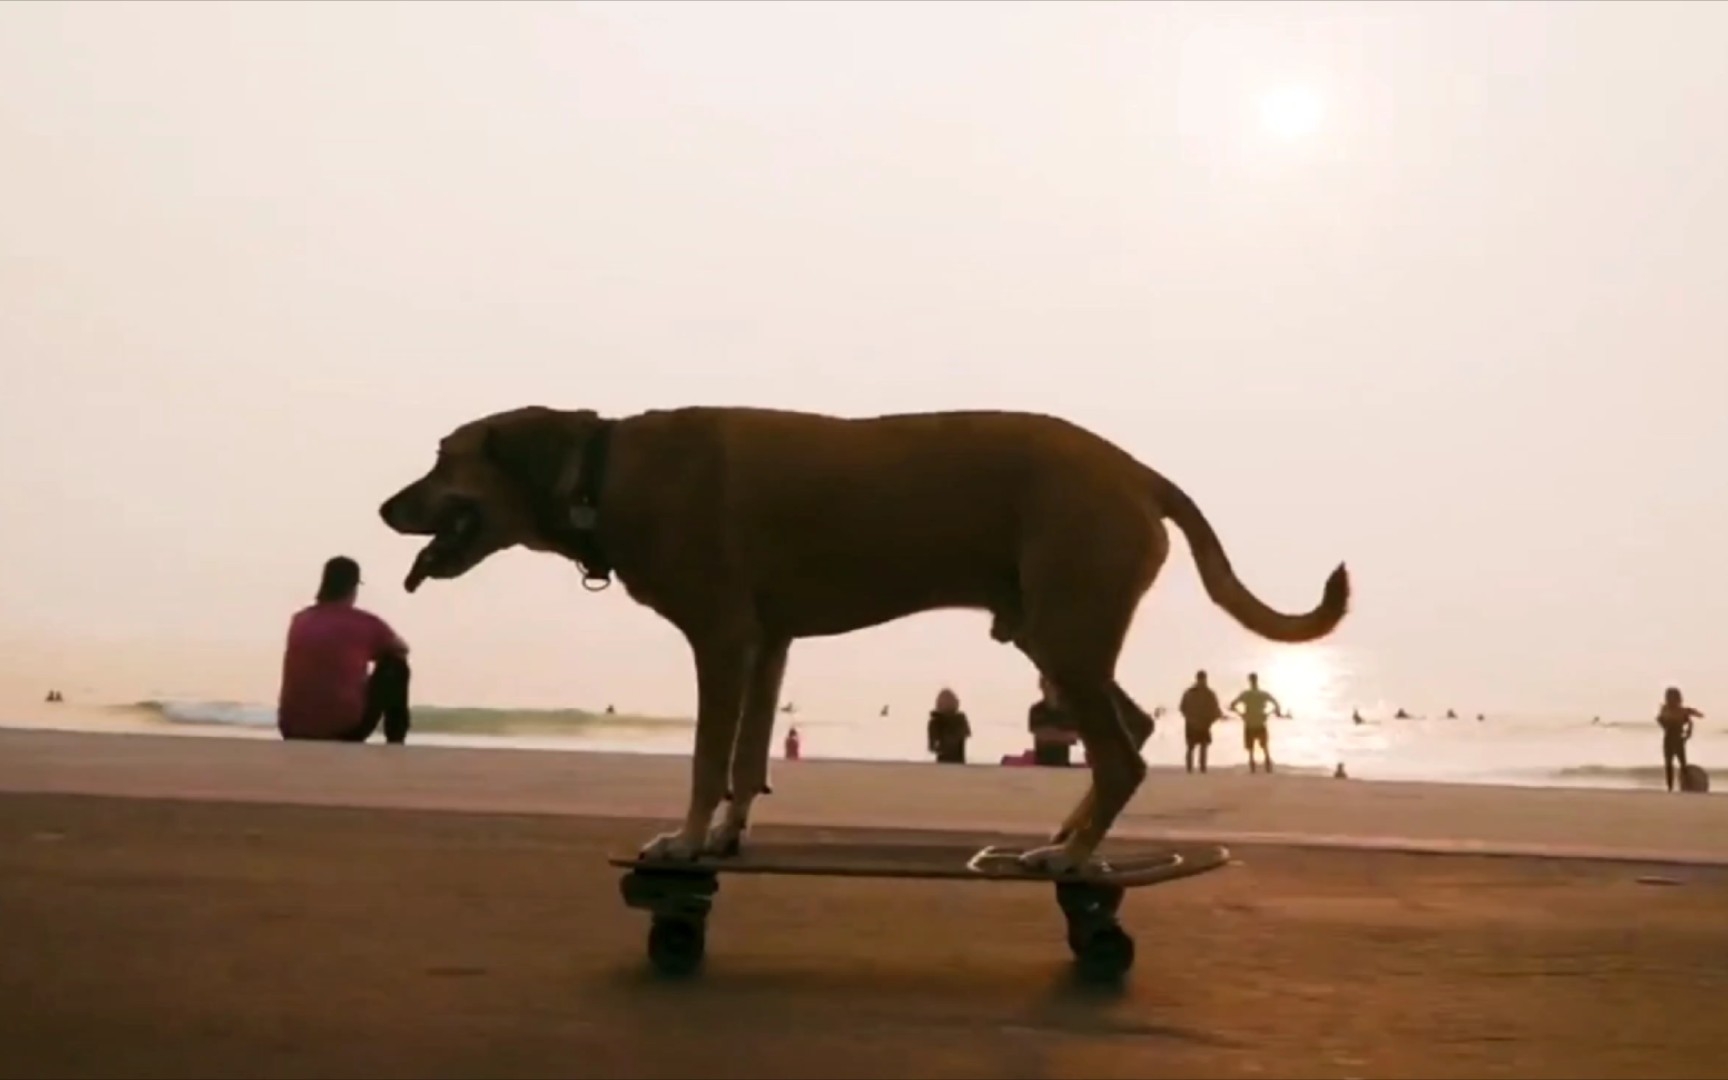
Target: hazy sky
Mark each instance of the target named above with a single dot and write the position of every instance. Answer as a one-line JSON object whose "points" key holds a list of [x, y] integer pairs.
{"points": [[1458, 315]]}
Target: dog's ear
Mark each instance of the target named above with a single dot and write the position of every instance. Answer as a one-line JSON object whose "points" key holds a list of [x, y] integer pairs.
{"points": [[541, 450]]}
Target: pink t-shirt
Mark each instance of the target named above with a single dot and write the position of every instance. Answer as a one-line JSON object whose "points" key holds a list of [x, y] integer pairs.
{"points": [[324, 669]]}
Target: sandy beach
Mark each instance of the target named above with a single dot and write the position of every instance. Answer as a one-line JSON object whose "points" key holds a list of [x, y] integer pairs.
{"points": [[1229, 806], [266, 910]]}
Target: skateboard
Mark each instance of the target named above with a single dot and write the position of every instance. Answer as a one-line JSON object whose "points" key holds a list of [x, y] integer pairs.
{"points": [[679, 895]]}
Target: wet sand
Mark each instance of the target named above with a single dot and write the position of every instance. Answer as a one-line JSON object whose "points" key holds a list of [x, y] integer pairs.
{"points": [[1235, 807], [150, 937]]}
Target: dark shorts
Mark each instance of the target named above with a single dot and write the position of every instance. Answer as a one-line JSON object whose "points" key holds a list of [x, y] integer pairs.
{"points": [[1673, 745], [1255, 735], [1198, 734]]}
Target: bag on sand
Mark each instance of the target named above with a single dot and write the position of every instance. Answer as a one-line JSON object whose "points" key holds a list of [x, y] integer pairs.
{"points": [[1694, 779]]}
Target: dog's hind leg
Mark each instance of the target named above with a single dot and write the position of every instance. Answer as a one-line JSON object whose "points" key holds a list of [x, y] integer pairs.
{"points": [[723, 664], [1082, 593], [750, 752], [1139, 725], [1117, 771]]}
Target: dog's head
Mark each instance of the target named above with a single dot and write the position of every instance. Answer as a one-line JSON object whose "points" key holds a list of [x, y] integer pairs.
{"points": [[497, 482]]}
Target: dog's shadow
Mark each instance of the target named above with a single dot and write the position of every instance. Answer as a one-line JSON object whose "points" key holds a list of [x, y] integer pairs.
{"points": [[1062, 1001]]}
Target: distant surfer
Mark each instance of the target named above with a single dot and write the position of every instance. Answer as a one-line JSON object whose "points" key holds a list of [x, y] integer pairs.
{"points": [[948, 729], [1356, 717], [326, 692], [794, 746], [1200, 710], [1255, 706], [1676, 719]]}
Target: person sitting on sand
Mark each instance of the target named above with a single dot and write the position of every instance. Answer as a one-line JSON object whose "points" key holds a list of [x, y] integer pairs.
{"points": [[1676, 719], [1199, 709], [1053, 728], [1254, 705], [326, 692], [948, 729]]}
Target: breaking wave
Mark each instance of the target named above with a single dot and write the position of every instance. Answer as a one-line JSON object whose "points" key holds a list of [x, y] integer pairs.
{"points": [[448, 720]]}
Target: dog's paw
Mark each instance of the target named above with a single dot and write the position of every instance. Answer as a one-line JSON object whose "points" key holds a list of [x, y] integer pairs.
{"points": [[670, 847], [725, 838], [1051, 859]]}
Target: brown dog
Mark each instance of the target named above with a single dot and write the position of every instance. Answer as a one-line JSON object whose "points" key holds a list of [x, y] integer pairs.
{"points": [[750, 528]]}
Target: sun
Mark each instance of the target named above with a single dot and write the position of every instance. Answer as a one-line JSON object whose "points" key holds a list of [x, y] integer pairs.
{"points": [[1304, 679], [1291, 112]]}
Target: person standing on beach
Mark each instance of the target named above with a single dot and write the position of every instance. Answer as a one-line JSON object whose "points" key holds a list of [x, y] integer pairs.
{"points": [[948, 729], [326, 691], [1676, 719], [1254, 706], [1199, 709], [1053, 729]]}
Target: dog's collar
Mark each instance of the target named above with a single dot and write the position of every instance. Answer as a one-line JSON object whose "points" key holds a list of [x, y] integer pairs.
{"points": [[580, 529]]}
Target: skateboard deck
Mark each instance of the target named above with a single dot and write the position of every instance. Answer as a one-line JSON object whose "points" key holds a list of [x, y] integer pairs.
{"points": [[1127, 865], [680, 894]]}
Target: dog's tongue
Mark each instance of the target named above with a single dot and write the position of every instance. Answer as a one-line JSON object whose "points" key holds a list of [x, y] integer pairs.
{"points": [[420, 570]]}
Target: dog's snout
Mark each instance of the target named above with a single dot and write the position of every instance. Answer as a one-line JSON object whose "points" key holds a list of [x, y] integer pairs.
{"points": [[402, 511]]}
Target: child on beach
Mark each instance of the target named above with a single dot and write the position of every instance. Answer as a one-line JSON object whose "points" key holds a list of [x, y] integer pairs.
{"points": [[1675, 719], [948, 729]]}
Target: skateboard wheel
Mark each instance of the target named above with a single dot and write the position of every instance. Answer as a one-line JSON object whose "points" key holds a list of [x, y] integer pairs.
{"points": [[675, 946], [1104, 952]]}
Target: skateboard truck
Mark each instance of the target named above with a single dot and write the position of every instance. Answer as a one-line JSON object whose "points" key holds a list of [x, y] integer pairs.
{"points": [[679, 900], [1102, 949]]}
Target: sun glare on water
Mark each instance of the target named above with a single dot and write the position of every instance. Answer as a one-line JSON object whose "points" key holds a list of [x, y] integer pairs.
{"points": [[1291, 112], [1304, 679]]}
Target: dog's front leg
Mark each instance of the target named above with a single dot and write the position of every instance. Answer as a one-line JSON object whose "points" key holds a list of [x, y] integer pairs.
{"points": [[722, 667], [750, 754]]}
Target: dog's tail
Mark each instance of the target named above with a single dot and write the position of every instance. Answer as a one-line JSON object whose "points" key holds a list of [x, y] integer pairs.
{"points": [[1227, 590]]}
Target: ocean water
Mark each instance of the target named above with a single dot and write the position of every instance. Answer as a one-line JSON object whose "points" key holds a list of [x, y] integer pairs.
{"points": [[1531, 750]]}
